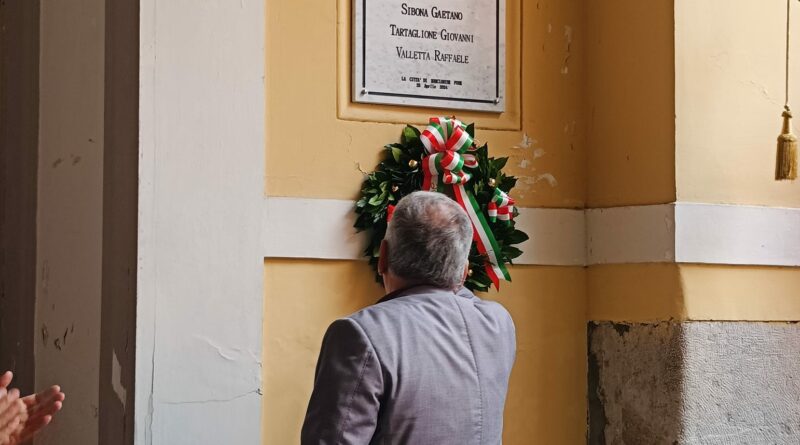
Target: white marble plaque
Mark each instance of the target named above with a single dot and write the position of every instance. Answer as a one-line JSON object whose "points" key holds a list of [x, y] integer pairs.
{"points": [[430, 53]]}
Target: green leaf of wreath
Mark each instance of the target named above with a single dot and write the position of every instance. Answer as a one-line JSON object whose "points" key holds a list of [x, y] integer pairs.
{"points": [[410, 134]]}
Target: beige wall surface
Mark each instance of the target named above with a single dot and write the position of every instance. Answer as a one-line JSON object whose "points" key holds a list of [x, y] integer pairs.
{"points": [[546, 400], [729, 94], [753, 293]]}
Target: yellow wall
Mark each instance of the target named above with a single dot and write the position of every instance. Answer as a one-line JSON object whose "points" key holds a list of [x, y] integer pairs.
{"points": [[301, 299], [546, 400], [659, 292], [634, 292], [630, 103], [316, 141], [754, 293], [684, 102], [729, 60], [547, 394], [617, 102]]}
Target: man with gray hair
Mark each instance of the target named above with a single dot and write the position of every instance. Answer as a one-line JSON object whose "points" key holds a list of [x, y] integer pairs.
{"points": [[429, 363]]}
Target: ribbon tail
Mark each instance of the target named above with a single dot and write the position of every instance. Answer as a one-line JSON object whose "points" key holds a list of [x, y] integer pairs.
{"points": [[426, 175], [484, 238]]}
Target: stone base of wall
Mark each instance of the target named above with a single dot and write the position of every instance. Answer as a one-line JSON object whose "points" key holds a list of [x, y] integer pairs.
{"points": [[694, 383]]}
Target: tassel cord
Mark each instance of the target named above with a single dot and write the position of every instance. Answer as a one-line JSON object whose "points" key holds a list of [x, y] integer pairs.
{"points": [[786, 162], [786, 85]]}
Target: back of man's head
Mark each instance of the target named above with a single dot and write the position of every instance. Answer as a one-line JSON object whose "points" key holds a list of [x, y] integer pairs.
{"points": [[428, 240]]}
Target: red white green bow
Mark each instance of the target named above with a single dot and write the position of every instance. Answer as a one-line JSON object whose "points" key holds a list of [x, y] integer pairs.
{"points": [[450, 149], [501, 207]]}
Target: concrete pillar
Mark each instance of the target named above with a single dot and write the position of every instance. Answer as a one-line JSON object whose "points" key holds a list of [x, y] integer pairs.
{"points": [[70, 213]]}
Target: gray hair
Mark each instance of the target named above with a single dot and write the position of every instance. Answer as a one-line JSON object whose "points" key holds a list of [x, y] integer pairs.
{"points": [[429, 239]]}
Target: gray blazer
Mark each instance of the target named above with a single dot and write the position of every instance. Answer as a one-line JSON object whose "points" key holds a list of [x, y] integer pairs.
{"points": [[423, 366]]}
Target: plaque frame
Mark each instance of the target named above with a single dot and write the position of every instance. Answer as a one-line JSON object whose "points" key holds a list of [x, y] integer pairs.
{"points": [[361, 94]]}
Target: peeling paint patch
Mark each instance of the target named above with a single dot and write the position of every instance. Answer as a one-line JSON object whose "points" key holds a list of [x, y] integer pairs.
{"points": [[116, 379], [568, 40], [621, 328], [527, 182], [551, 180], [526, 142], [45, 276], [762, 89], [229, 354]]}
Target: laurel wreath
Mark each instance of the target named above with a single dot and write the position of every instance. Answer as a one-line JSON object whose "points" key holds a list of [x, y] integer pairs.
{"points": [[400, 174]]}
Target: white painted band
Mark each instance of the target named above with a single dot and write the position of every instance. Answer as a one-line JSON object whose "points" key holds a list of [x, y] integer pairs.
{"points": [[726, 234], [639, 234], [323, 228], [694, 233], [682, 232]]}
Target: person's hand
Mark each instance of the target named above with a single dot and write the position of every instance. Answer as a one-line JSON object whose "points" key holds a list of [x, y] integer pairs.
{"points": [[13, 415], [39, 411], [5, 379]]}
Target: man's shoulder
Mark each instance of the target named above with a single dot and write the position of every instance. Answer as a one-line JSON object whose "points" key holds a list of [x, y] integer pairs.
{"points": [[410, 305], [397, 307], [489, 308]]}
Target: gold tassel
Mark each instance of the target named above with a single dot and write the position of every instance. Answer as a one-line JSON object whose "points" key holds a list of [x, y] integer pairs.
{"points": [[786, 165]]}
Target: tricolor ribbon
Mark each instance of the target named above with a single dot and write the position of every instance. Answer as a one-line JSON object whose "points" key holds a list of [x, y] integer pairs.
{"points": [[501, 207], [450, 148]]}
